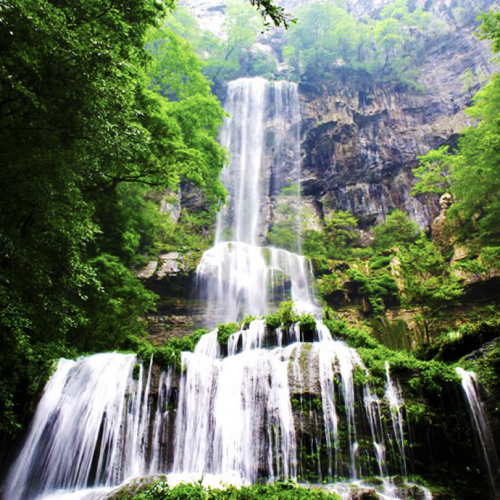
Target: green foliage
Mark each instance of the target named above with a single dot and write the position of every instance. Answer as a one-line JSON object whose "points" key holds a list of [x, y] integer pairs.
{"points": [[225, 331], [428, 376], [354, 337], [273, 321], [451, 345], [274, 12], [307, 324], [336, 241], [330, 283], [380, 289], [471, 174], [136, 371], [230, 55], [359, 376], [112, 306], [169, 354], [328, 36], [429, 284], [433, 172], [380, 262], [245, 322], [160, 490], [91, 122], [283, 235], [287, 314], [396, 230], [490, 28]]}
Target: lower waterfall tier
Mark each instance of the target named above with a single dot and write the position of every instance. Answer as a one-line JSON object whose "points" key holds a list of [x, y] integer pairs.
{"points": [[304, 411]]}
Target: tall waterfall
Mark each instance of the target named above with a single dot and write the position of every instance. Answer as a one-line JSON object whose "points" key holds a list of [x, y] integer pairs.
{"points": [[272, 404], [239, 275]]}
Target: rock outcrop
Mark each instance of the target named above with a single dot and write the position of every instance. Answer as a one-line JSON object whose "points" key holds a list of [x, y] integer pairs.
{"points": [[361, 138]]}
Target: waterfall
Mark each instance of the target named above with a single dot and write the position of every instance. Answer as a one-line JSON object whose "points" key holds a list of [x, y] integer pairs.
{"points": [[239, 275], [256, 413], [235, 418], [393, 395], [272, 404], [480, 421]]}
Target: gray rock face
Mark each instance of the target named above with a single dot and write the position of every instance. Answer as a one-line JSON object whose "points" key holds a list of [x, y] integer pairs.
{"points": [[361, 138]]}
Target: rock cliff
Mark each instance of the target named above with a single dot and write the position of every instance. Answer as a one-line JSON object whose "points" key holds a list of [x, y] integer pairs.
{"points": [[360, 137]]}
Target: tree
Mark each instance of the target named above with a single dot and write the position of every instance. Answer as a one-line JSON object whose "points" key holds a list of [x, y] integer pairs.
{"points": [[337, 239], [80, 120], [232, 54], [276, 13], [429, 285], [328, 36], [396, 230]]}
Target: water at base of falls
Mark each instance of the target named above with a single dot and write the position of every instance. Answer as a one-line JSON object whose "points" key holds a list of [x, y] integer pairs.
{"points": [[292, 410]]}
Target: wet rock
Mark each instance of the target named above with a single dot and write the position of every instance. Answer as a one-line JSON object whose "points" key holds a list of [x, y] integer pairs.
{"points": [[411, 492]]}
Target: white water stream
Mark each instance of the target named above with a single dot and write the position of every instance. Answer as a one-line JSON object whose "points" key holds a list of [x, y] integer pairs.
{"points": [[239, 275], [475, 406], [238, 418]]}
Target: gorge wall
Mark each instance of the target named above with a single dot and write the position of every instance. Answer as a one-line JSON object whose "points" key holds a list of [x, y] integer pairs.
{"points": [[360, 138]]}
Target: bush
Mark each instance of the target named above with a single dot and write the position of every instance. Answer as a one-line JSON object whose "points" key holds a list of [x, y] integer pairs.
{"points": [[169, 354], [225, 331], [273, 321], [307, 324], [160, 490], [287, 314]]}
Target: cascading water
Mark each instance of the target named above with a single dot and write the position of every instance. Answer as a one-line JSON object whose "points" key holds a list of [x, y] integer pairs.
{"points": [[255, 413], [90, 428], [240, 276], [480, 421], [268, 405]]}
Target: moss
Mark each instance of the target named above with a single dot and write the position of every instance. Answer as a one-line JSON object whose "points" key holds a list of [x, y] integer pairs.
{"points": [[359, 376], [273, 321], [136, 371], [225, 331], [379, 262], [454, 344], [395, 335], [169, 354]]}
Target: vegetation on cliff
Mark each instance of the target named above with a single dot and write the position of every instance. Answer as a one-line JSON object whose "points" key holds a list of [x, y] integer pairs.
{"points": [[325, 37], [470, 172]]}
